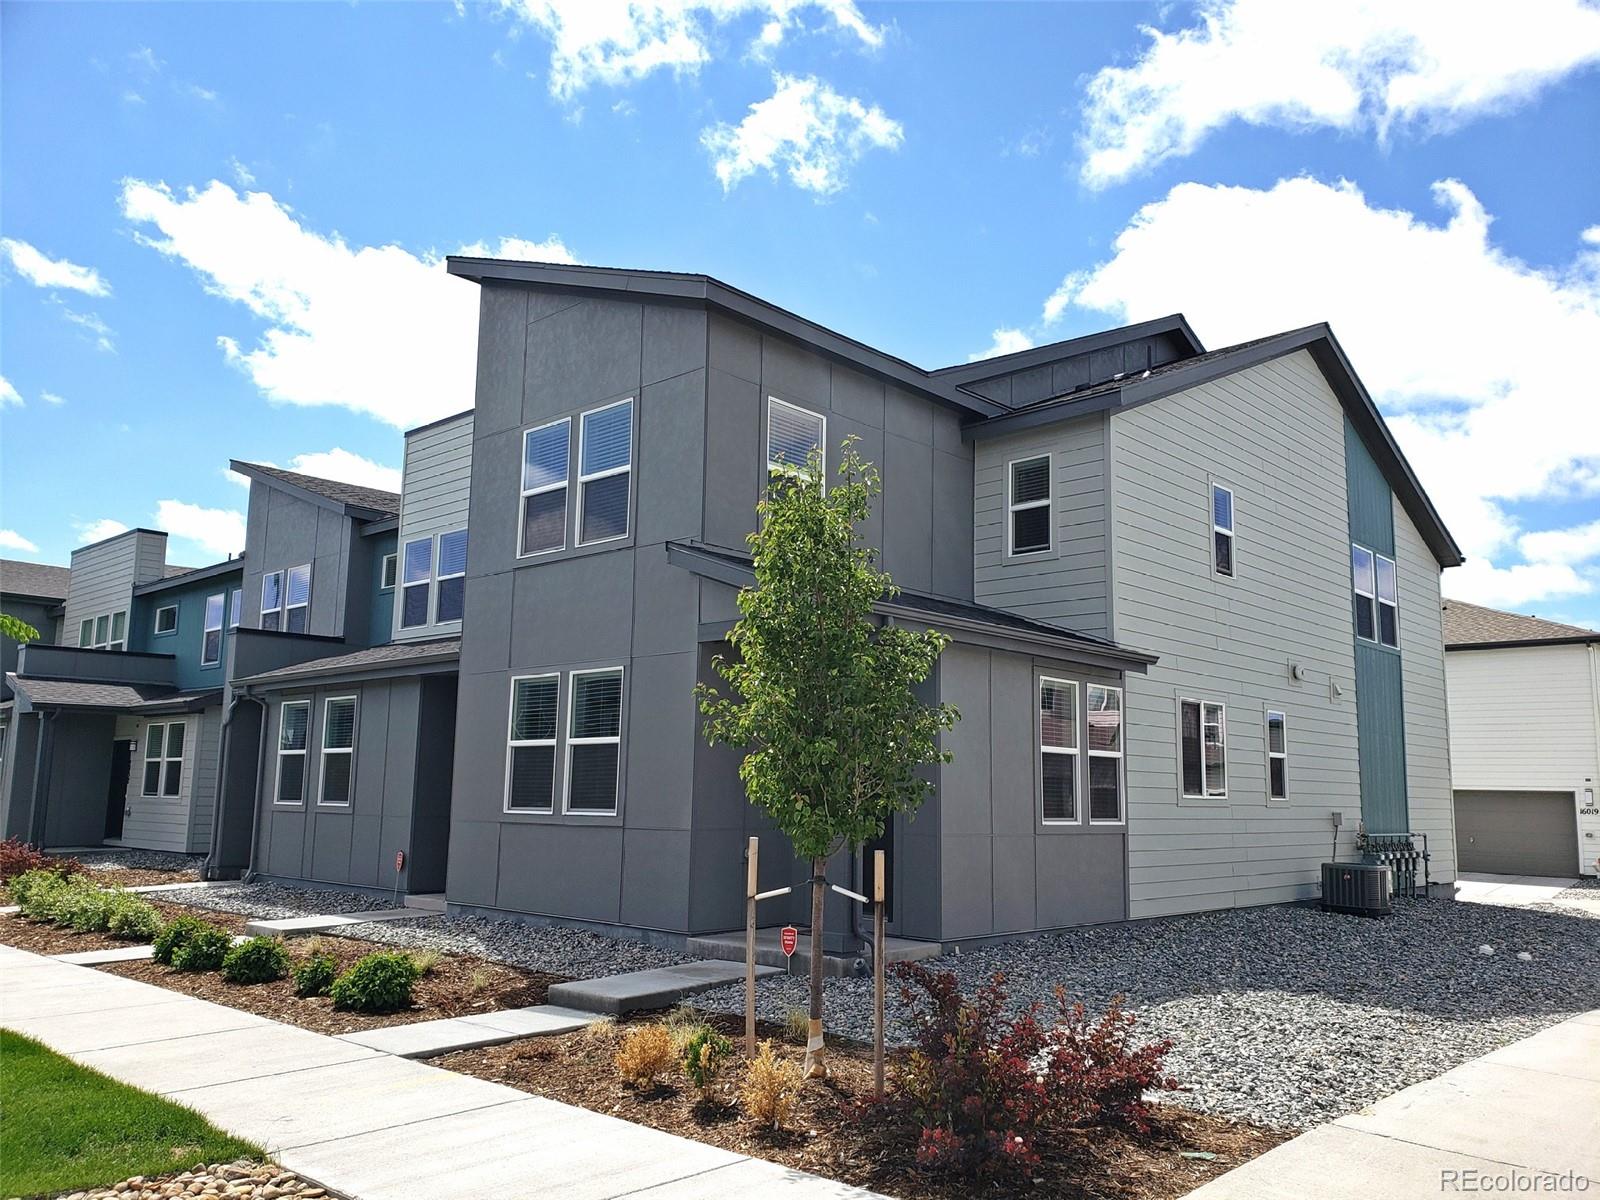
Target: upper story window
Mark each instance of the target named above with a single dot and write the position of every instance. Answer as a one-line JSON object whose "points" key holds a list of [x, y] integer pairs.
{"points": [[1104, 730], [1203, 751], [545, 459], [235, 607], [272, 600], [211, 637], [297, 598], [605, 471], [1058, 751], [1222, 529], [108, 631], [1028, 505], [167, 619], [388, 572], [1375, 596], [416, 582], [452, 576], [793, 434]]}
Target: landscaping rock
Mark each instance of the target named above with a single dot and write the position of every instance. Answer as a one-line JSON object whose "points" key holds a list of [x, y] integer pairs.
{"points": [[274, 902], [244, 1179], [139, 860]]}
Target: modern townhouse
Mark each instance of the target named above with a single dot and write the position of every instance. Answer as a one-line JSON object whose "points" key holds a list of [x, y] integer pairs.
{"points": [[1525, 745], [1193, 598]]}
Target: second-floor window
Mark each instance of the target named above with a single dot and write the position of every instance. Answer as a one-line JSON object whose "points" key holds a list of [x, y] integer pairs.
{"points": [[211, 637], [605, 473], [272, 600], [545, 453], [1277, 757], [108, 631], [416, 583], [388, 572], [235, 607], [1375, 596], [1203, 752], [167, 619], [1222, 529], [297, 598], [452, 576], [1028, 505], [793, 435]]}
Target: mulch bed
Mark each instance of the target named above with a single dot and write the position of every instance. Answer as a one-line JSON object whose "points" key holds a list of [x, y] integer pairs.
{"points": [[456, 986], [43, 938], [124, 877], [837, 1132]]}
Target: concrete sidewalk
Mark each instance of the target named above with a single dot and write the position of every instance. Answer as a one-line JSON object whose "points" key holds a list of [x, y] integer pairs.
{"points": [[359, 1121], [1529, 1110]]}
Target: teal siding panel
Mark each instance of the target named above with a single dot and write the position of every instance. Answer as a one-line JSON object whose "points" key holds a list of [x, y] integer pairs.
{"points": [[1371, 501], [185, 641], [381, 628], [1381, 729]]}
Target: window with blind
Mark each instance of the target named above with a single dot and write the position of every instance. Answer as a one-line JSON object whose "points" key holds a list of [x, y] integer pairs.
{"points": [[793, 435], [297, 598], [1222, 529], [235, 607], [163, 759], [452, 577], [272, 600], [416, 582], [1103, 723], [531, 744], [1277, 757], [211, 634], [1388, 601], [338, 750], [1028, 505], [544, 487], [605, 473], [594, 741], [294, 716], [1203, 753], [1058, 751]]}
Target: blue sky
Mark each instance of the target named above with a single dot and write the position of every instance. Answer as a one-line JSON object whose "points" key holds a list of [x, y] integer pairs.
{"points": [[223, 222]]}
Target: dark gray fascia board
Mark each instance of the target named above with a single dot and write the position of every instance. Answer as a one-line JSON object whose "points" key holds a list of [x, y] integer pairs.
{"points": [[435, 424], [115, 536], [1577, 639], [199, 574], [711, 293], [358, 511], [335, 678], [1020, 360], [372, 528]]}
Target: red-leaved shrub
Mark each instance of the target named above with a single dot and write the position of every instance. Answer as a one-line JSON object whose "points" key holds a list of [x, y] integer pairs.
{"points": [[17, 856], [988, 1088]]}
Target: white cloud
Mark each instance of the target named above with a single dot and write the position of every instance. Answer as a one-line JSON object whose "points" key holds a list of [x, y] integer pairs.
{"points": [[1572, 547], [10, 539], [1469, 351], [9, 394], [52, 399], [376, 329], [805, 129], [1359, 64], [1006, 341], [343, 465], [218, 532], [98, 531], [242, 174], [613, 42], [43, 271], [103, 336]]}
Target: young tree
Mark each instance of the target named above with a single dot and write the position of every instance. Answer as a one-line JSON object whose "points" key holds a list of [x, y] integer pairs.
{"points": [[823, 696]]}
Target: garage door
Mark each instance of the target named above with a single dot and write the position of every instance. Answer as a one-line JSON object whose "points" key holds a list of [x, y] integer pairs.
{"points": [[1517, 833]]}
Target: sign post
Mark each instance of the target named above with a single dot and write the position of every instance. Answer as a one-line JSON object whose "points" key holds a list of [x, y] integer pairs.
{"points": [[877, 974], [752, 875]]}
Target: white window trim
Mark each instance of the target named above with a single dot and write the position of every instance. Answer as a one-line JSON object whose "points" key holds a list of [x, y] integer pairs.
{"points": [[235, 607], [222, 623], [426, 582], [110, 642], [566, 771], [433, 608], [512, 743], [627, 514], [86, 634], [1370, 597], [118, 643], [387, 563], [1379, 601], [261, 621], [1012, 507], [1283, 754], [155, 628], [788, 468], [306, 604], [324, 750], [1122, 740], [1230, 529], [565, 482], [302, 754], [164, 759], [1205, 794], [1038, 737]]}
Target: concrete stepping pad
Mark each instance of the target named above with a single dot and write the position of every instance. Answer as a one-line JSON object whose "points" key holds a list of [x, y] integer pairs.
{"points": [[326, 922], [659, 988], [428, 1038]]}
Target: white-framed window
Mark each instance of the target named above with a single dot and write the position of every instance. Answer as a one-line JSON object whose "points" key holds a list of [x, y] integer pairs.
{"points": [[102, 631], [1388, 601], [235, 607], [297, 598], [1058, 751], [1277, 756], [166, 619], [163, 759], [86, 634], [1222, 530], [294, 717], [1103, 732], [546, 454], [531, 743], [605, 472], [1375, 596], [388, 572], [1203, 748], [108, 631], [594, 741], [338, 751], [119, 631], [211, 635], [272, 600], [1028, 505], [450, 595], [416, 582], [793, 433]]}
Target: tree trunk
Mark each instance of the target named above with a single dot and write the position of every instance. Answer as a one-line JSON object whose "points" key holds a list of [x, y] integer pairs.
{"points": [[814, 1064]]}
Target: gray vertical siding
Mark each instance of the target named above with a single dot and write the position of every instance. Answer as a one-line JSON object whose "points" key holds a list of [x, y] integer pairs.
{"points": [[1427, 730], [1275, 434], [1069, 584], [103, 576], [285, 531], [434, 500], [79, 754]]}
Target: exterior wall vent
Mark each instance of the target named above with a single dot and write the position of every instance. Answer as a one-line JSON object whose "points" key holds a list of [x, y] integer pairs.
{"points": [[1359, 888]]}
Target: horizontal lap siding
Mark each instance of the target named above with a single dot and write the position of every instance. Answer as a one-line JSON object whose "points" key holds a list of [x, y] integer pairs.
{"points": [[1274, 434], [1521, 719], [160, 822], [436, 493], [103, 577]]}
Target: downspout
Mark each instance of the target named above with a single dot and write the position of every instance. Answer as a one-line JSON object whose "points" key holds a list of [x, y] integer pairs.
{"points": [[42, 754], [1594, 708], [255, 804]]}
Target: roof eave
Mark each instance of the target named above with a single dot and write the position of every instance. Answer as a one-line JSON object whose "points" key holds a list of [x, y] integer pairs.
{"points": [[1021, 360], [1577, 639]]}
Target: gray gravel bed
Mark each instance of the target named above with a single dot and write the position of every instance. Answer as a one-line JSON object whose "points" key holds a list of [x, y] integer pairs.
{"points": [[139, 860], [575, 953], [275, 901], [1286, 1016]]}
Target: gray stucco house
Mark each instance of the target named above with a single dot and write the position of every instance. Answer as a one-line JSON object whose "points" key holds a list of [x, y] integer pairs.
{"points": [[1193, 599]]}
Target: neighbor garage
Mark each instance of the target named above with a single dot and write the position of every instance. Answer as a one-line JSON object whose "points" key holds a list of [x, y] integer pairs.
{"points": [[1517, 833]]}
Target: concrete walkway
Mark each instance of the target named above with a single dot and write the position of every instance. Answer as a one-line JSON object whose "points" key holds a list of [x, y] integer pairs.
{"points": [[1528, 1111], [362, 1122], [1512, 890]]}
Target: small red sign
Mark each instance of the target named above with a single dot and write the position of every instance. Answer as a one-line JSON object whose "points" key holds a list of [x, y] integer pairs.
{"points": [[788, 938], [399, 860]]}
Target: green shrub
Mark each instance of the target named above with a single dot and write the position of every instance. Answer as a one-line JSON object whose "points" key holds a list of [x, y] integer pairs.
{"points": [[377, 983], [704, 1056], [204, 951], [175, 936], [260, 960], [314, 975], [132, 917], [36, 892], [85, 907]]}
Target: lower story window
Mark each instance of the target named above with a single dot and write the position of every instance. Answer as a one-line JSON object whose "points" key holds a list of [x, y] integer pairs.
{"points": [[594, 741], [1277, 757], [1058, 751], [338, 749], [1203, 731], [294, 716], [531, 744], [163, 759], [1104, 729]]}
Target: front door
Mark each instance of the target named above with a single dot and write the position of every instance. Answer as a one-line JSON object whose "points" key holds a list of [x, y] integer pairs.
{"points": [[117, 797]]}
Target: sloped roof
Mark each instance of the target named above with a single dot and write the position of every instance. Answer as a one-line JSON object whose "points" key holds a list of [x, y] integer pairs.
{"points": [[1467, 625], [392, 654], [44, 580], [350, 495], [120, 697]]}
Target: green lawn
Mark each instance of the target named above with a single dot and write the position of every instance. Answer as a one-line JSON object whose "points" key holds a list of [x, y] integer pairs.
{"points": [[64, 1127]]}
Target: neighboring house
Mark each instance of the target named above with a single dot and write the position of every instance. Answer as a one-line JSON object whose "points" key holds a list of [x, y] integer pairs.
{"points": [[1524, 741], [34, 594], [1192, 596]]}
